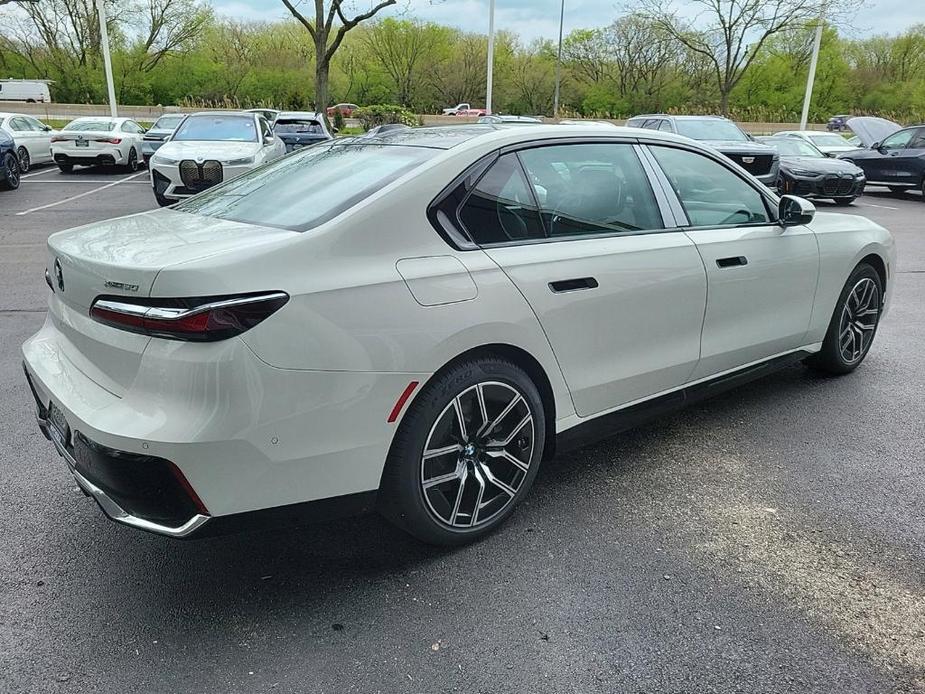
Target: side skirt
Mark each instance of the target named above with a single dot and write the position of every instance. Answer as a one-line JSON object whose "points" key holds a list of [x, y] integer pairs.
{"points": [[605, 426]]}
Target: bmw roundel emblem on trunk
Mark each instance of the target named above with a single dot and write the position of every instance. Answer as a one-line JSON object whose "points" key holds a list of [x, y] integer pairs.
{"points": [[59, 275]]}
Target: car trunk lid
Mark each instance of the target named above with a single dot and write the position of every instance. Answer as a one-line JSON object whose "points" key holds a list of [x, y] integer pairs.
{"points": [[122, 258]]}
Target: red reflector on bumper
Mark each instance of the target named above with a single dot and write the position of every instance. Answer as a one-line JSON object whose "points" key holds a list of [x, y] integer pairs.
{"points": [[402, 399]]}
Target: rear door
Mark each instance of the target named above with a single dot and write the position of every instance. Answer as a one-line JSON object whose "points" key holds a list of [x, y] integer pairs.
{"points": [[761, 277], [579, 230]]}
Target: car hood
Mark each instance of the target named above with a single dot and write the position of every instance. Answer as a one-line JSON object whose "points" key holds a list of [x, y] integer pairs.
{"points": [[822, 165], [739, 147], [196, 149], [870, 129]]}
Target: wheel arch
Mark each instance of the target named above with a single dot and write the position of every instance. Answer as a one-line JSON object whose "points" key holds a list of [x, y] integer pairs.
{"points": [[875, 261], [531, 365]]}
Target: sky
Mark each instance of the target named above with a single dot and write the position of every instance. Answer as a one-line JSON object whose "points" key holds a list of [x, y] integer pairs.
{"points": [[540, 18]]}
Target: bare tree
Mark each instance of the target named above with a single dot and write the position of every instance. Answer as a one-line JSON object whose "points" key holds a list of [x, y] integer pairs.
{"points": [[167, 26], [730, 33], [644, 53], [327, 30], [401, 47], [589, 54]]}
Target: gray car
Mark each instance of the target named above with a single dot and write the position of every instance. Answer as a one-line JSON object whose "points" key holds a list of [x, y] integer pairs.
{"points": [[723, 135], [162, 128]]}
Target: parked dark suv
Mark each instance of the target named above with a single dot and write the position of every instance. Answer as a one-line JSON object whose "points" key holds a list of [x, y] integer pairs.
{"points": [[723, 135]]}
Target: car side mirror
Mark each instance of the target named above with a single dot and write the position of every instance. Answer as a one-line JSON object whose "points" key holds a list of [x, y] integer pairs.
{"points": [[268, 140], [47, 128], [335, 130], [794, 211], [876, 145]]}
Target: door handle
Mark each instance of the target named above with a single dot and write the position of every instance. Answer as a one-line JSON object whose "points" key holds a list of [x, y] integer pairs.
{"points": [[573, 285], [735, 261]]}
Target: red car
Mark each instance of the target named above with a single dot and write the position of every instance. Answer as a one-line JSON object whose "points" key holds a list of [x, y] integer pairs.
{"points": [[346, 110]]}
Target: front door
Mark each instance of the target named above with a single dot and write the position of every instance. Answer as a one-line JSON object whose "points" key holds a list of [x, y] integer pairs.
{"points": [[578, 230], [761, 277], [889, 163]]}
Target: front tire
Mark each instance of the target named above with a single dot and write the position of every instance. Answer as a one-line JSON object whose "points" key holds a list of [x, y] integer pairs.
{"points": [[25, 161], [853, 325], [10, 181], [466, 453]]}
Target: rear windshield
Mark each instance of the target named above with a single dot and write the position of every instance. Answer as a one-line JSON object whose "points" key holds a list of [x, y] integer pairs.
{"points": [[103, 125], [310, 187], [298, 125], [217, 128], [792, 147], [167, 122], [709, 129]]}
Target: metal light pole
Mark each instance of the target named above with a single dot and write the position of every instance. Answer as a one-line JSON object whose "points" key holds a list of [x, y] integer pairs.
{"points": [[555, 100], [491, 54], [808, 97], [107, 61]]}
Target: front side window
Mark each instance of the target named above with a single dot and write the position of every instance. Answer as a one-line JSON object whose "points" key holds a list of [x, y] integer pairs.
{"points": [[898, 140], [711, 194], [501, 208], [217, 128], [308, 188], [591, 188], [918, 140]]}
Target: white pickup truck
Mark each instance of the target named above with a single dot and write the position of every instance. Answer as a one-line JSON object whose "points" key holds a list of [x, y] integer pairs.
{"points": [[452, 111]]}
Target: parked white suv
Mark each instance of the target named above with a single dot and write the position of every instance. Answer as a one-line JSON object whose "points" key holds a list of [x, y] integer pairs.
{"points": [[414, 321], [208, 148]]}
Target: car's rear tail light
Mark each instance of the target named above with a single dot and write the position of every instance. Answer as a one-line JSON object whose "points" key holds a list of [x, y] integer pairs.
{"points": [[109, 140], [206, 319], [59, 138]]}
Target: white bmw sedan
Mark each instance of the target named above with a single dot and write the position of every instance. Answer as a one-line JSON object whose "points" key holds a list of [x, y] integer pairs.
{"points": [[209, 148], [98, 141], [414, 322], [32, 138]]}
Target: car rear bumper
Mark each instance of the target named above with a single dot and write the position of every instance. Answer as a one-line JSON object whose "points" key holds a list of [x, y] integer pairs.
{"points": [[209, 431]]}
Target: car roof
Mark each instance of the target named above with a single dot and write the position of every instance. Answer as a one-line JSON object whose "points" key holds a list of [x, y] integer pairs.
{"points": [[452, 136], [679, 117]]}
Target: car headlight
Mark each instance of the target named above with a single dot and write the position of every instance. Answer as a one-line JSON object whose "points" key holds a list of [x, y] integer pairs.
{"points": [[802, 172], [166, 161], [243, 161], [859, 174]]}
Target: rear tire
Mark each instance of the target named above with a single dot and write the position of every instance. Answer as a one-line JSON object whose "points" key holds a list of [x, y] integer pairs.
{"points": [[66, 168], [10, 180], [844, 202], [25, 161], [853, 325], [488, 462], [132, 164]]}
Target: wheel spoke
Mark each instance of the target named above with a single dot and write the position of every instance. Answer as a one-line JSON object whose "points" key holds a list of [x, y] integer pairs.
{"points": [[507, 489], [504, 455], [511, 405], [440, 479], [437, 452], [459, 495], [483, 409], [478, 499], [457, 405]]}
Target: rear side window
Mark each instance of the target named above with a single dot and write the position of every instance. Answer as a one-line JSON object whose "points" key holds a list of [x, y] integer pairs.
{"points": [[591, 189], [501, 208], [711, 194], [306, 189]]}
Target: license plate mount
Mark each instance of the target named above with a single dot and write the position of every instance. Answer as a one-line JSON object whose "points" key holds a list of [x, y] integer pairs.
{"points": [[58, 427], [81, 143]]}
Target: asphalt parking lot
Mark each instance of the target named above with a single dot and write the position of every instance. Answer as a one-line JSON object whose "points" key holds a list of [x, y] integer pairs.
{"points": [[770, 540]]}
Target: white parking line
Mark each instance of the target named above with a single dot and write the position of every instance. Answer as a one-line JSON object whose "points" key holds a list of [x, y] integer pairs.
{"points": [[92, 180], [81, 195], [882, 207]]}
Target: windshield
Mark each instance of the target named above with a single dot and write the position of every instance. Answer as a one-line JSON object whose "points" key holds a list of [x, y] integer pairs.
{"points": [[298, 125], [792, 147], [827, 140], [217, 128], [710, 129], [104, 125], [306, 189], [167, 122]]}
